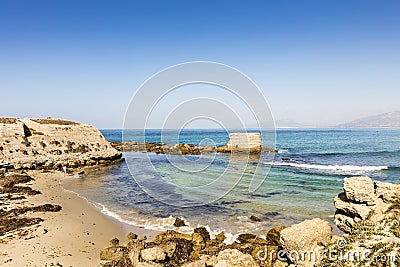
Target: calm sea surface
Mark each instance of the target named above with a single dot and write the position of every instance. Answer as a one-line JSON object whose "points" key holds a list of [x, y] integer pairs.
{"points": [[297, 183]]}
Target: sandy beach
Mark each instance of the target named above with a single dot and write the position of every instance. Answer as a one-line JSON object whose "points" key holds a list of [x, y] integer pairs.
{"points": [[71, 237]]}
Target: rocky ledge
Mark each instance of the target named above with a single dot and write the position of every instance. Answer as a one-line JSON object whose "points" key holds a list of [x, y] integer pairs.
{"points": [[242, 143], [367, 212], [52, 144]]}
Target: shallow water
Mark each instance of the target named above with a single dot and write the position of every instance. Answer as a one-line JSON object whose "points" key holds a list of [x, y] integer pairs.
{"points": [[290, 190]]}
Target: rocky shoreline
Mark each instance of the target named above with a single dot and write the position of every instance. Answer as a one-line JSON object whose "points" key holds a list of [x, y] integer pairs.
{"points": [[52, 144], [367, 212], [179, 149]]}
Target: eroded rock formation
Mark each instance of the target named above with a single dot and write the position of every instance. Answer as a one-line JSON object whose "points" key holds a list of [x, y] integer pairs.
{"points": [[52, 143]]}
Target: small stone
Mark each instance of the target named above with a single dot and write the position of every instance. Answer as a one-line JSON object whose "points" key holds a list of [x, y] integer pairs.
{"points": [[132, 236], [179, 222], [114, 242], [254, 218]]}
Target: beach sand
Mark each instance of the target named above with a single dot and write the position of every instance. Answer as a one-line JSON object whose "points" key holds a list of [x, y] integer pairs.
{"points": [[73, 236]]}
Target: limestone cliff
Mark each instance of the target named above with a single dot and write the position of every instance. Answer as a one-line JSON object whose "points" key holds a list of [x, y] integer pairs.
{"points": [[51, 143]]}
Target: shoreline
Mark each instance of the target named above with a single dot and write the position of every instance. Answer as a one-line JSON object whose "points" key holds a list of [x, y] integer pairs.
{"points": [[71, 237]]}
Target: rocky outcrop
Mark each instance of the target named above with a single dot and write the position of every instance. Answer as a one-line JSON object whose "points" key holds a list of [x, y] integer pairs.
{"points": [[244, 142], [360, 190], [368, 212], [238, 143], [171, 248], [52, 144], [305, 237], [361, 200], [387, 191]]}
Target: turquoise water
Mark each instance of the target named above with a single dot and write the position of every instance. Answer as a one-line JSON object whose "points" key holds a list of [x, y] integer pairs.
{"points": [[301, 186]]}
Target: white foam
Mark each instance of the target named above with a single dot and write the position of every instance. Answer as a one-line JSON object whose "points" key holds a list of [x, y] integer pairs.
{"points": [[346, 168], [282, 151], [163, 224]]}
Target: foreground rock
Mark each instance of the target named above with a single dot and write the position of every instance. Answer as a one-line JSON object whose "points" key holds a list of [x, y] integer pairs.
{"points": [[52, 144], [304, 238], [171, 248], [369, 213], [361, 200]]}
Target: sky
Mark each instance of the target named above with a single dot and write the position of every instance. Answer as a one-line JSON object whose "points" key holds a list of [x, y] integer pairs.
{"points": [[318, 63]]}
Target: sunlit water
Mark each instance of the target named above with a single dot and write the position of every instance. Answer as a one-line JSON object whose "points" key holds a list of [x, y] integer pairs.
{"points": [[296, 189]]}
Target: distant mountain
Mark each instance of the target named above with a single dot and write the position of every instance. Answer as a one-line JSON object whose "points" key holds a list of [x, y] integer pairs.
{"points": [[390, 119]]}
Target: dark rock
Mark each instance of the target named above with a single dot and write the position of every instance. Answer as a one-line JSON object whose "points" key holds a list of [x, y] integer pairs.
{"points": [[114, 242], [274, 235], [113, 253], [179, 222], [168, 235], [132, 236], [254, 218], [244, 238], [203, 232]]}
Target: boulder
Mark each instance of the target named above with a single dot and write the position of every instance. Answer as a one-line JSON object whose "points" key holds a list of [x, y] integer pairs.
{"points": [[203, 232], [352, 209], [360, 189], [156, 254], [168, 235], [344, 222], [305, 237], [179, 222], [113, 253], [387, 191], [274, 235], [235, 258]]}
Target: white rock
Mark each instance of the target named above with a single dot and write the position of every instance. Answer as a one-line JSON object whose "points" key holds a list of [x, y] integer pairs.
{"points": [[235, 258], [153, 254], [305, 237], [360, 189], [387, 191]]}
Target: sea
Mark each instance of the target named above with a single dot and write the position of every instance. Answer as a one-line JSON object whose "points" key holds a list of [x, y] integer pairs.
{"points": [[223, 192]]}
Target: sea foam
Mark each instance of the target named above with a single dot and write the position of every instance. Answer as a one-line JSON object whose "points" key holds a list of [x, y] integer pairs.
{"points": [[346, 168]]}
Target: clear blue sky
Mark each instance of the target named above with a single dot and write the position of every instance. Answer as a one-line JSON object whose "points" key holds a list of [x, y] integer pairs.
{"points": [[317, 62]]}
